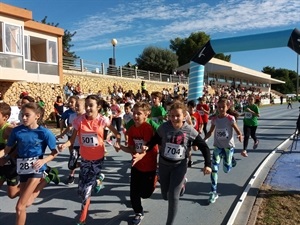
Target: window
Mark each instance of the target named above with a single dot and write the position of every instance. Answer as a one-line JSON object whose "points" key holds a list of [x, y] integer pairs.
{"points": [[13, 39], [52, 52]]}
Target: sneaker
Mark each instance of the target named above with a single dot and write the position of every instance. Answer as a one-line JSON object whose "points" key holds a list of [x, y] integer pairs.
{"points": [[71, 180], [99, 185], [233, 162], [190, 163], [183, 187], [137, 218], [255, 144], [52, 175], [213, 196]]}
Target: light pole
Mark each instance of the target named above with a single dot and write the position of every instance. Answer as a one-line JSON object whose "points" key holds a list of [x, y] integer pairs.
{"points": [[114, 42]]}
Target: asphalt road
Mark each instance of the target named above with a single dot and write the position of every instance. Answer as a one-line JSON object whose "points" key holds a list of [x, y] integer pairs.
{"points": [[60, 205]]}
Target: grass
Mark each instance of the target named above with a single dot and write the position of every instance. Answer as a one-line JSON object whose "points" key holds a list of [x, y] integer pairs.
{"points": [[279, 207]]}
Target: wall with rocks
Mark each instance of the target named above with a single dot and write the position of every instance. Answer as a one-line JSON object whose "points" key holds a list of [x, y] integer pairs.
{"points": [[48, 92]]}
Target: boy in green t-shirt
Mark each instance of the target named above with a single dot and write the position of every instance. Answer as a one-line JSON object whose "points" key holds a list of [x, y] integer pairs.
{"points": [[158, 112]]}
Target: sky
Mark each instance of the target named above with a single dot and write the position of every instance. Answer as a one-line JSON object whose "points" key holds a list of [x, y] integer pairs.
{"points": [[137, 24]]}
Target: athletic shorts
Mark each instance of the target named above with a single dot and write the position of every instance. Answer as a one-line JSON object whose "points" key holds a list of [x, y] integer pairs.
{"points": [[9, 173]]}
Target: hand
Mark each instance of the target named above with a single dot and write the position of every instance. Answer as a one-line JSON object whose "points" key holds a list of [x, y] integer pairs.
{"points": [[58, 136], [240, 137], [61, 147], [38, 164], [137, 157], [206, 170]]}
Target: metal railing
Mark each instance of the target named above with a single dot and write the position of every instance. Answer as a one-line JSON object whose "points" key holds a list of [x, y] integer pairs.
{"points": [[81, 65]]}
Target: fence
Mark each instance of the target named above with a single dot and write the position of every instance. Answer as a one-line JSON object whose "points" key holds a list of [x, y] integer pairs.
{"points": [[121, 71]]}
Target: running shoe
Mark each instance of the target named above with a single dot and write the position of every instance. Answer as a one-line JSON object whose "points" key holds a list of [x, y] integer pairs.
{"points": [[99, 185], [213, 196], [71, 180], [109, 142], [81, 223], [137, 218], [183, 187], [233, 162], [53, 174], [255, 144]]}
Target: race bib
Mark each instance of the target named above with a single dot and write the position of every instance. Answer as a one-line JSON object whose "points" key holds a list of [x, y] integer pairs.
{"points": [[155, 119], [89, 140], [221, 134], [25, 165], [138, 145], [201, 112], [248, 115], [174, 151]]}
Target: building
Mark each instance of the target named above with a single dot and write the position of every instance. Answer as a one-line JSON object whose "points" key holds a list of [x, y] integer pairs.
{"points": [[225, 73], [29, 51]]}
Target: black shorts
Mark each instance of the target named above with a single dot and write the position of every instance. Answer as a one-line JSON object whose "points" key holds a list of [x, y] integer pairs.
{"points": [[9, 173], [72, 164], [25, 177]]}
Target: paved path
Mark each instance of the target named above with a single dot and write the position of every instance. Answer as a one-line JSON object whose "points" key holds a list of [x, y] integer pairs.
{"points": [[60, 205]]}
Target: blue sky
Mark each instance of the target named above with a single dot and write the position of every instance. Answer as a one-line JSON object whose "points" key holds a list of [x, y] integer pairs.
{"points": [[137, 24]]}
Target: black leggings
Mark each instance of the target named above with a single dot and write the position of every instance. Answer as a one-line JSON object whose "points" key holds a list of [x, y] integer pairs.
{"points": [[117, 122], [249, 131]]}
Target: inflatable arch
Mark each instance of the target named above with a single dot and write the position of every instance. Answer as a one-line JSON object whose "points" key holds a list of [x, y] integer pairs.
{"points": [[290, 38]]}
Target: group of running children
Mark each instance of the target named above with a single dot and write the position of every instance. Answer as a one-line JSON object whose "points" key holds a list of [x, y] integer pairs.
{"points": [[151, 133]]}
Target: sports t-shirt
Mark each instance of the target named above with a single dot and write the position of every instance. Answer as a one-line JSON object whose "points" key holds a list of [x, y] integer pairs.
{"points": [[196, 120], [139, 136], [32, 142], [156, 112], [65, 117], [174, 142], [90, 134], [202, 113], [2, 140], [249, 118], [223, 134]]}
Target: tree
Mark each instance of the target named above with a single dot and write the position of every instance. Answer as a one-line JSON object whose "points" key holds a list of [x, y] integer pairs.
{"points": [[289, 76], [66, 40], [186, 48], [157, 60]]}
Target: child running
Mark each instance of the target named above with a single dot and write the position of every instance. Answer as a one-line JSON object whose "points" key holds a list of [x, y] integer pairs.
{"points": [[173, 137], [8, 171], [31, 140], [90, 127], [251, 115], [72, 164], [143, 173], [222, 125]]}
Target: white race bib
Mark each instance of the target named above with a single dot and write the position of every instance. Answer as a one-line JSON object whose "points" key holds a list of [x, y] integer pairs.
{"points": [[221, 134], [138, 145], [25, 165], [174, 151], [248, 115], [155, 119], [89, 139], [201, 112]]}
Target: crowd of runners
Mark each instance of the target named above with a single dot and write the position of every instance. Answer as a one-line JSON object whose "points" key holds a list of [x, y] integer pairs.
{"points": [[160, 130]]}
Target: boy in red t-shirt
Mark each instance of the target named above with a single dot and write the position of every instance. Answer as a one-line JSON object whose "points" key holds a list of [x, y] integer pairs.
{"points": [[143, 173], [197, 122], [203, 109]]}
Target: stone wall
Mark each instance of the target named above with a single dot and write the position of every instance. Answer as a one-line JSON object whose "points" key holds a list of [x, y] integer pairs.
{"points": [[48, 92]]}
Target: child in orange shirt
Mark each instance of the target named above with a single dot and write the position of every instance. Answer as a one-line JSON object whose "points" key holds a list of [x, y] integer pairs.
{"points": [[90, 128], [143, 173]]}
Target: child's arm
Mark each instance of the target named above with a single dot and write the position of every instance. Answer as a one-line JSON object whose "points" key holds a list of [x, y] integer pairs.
{"points": [[238, 132], [39, 163], [127, 149], [65, 131], [211, 130], [68, 143], [115, 132]]}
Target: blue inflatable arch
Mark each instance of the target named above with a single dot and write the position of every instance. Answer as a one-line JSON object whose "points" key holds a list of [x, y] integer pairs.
{"points": [[290, 38]]}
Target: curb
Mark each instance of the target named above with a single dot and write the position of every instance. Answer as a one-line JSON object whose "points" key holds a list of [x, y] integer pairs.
{"points": [[251, 184]]}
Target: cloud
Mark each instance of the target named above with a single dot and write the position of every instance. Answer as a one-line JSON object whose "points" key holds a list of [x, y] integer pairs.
{"points": [[147, 22]]}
